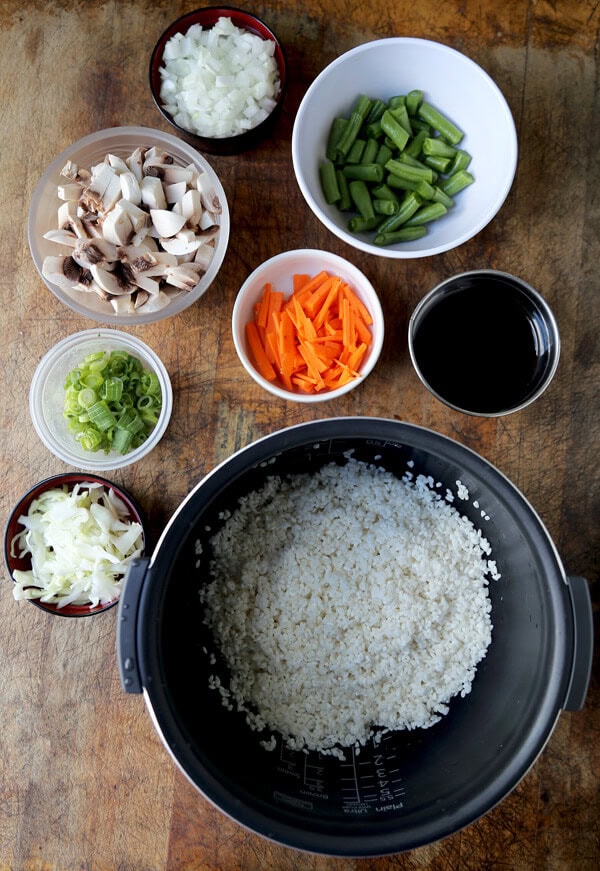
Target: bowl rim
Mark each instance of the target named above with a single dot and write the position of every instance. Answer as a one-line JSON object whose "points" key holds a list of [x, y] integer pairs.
{"points": [[251, 22], [111, 461], [330, 261], [392, 252], [164, 140], [70, 479]]}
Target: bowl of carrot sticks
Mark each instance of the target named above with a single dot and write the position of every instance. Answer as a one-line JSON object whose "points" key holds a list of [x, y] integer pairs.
{"points": [[307, 325]]}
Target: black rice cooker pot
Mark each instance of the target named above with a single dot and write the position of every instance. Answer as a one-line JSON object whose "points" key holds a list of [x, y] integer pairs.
{"points": [[414, 787]]}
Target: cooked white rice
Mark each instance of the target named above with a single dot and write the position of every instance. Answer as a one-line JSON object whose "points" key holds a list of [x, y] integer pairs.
{"points": [[347, 603]]}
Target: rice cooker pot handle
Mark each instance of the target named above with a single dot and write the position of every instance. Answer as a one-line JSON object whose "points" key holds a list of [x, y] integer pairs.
{"points": [[131, 679], [583, 643]]}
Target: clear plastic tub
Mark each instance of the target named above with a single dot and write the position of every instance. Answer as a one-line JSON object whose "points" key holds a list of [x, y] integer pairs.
{"points": [[47, 392]]}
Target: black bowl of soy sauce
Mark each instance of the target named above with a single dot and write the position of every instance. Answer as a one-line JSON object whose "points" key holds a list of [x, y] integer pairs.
{"points": [[484, 343]]}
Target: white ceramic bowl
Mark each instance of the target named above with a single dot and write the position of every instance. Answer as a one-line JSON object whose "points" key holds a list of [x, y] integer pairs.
{"points": [[87, 152], [279, 271], [451, 82], [47, 393]]}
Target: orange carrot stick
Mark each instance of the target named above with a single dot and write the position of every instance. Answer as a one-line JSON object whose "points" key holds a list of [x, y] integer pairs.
{"points": [[258, 352]]}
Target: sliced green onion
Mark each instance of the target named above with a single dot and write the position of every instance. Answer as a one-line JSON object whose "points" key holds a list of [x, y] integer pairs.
{"points": [[111, 402]]}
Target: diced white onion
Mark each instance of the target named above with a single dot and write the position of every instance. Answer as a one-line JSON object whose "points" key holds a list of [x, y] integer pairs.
{"points": [[220, 81]]}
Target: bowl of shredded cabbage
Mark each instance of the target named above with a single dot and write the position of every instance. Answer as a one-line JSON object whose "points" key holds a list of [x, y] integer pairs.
{"points": [[218, 76], [69, 542]]}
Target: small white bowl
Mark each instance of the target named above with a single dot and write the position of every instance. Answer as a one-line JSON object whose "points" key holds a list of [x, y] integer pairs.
{"points": [[279, 271], [451, 82], [91, 150], [47, 394]]}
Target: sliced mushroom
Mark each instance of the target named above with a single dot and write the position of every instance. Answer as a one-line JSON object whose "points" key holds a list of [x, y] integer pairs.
{"points": [[153, 194], [191, 207], [130, 187], [166, 223], [89, 252], [117, 226], [70, 191], [184, 275], [61, 270], [135, 162], [113, 282], [62, 237]]}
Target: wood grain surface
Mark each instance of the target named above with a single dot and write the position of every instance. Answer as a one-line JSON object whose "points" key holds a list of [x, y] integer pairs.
{"points": [[84, 781]]}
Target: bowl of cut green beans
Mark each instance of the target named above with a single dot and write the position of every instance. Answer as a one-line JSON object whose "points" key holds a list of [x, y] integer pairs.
{"points": [[100, 399], [404, 148]]}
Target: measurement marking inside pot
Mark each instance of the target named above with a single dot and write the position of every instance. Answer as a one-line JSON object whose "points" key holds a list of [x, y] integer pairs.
{"points": [[372, 780]]}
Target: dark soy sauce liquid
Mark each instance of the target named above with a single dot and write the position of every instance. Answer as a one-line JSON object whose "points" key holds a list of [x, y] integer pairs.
{"points": [[484, 348]]}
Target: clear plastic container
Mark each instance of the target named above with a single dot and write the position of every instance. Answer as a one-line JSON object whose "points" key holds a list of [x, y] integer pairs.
{"points": [[87, 152], [47, 393]]}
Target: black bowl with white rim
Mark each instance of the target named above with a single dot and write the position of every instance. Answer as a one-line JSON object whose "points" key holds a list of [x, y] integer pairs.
{"points": [[405, 788]]}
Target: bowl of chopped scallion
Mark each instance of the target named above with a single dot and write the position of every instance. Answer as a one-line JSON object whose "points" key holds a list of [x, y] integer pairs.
{"points": [[100, 399]]}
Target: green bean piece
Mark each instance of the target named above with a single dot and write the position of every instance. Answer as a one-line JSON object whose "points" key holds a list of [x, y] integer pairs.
{"points": [[394, 102], [403, 184], [414, 161], [440, 123], [361, 198], [461, 161], [409, 205], [384, 154], [405, 234], [383, 192], [415, 146], [358, 224], [345, 201], [438, 164], [386, 207], [456, 183], [425, 190], [370, 151], [372, 172], [434, 146], [338, 126], [356, 151], [439, 196], [401, 116], [394, 130], [361, 108], [373, 130], [376, 111], [413, 101], [329, 184], [426, 214], [419, 124], [412, 173]]}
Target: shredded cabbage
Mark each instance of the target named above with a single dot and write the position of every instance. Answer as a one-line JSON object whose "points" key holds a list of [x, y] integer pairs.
{"points": [[81, 543], [219, 81]]}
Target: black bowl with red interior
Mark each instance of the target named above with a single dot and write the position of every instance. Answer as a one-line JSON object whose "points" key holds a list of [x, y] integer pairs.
{"points": [[15, 559], [207, 18]]}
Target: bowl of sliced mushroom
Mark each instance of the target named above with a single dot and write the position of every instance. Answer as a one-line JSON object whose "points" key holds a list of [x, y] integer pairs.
{"points": [[129, 225]]}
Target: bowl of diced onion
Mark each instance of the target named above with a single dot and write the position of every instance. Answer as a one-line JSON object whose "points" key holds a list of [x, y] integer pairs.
{"points": [[100, 399], [218, 76], [404, 147], [69, 541]]}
